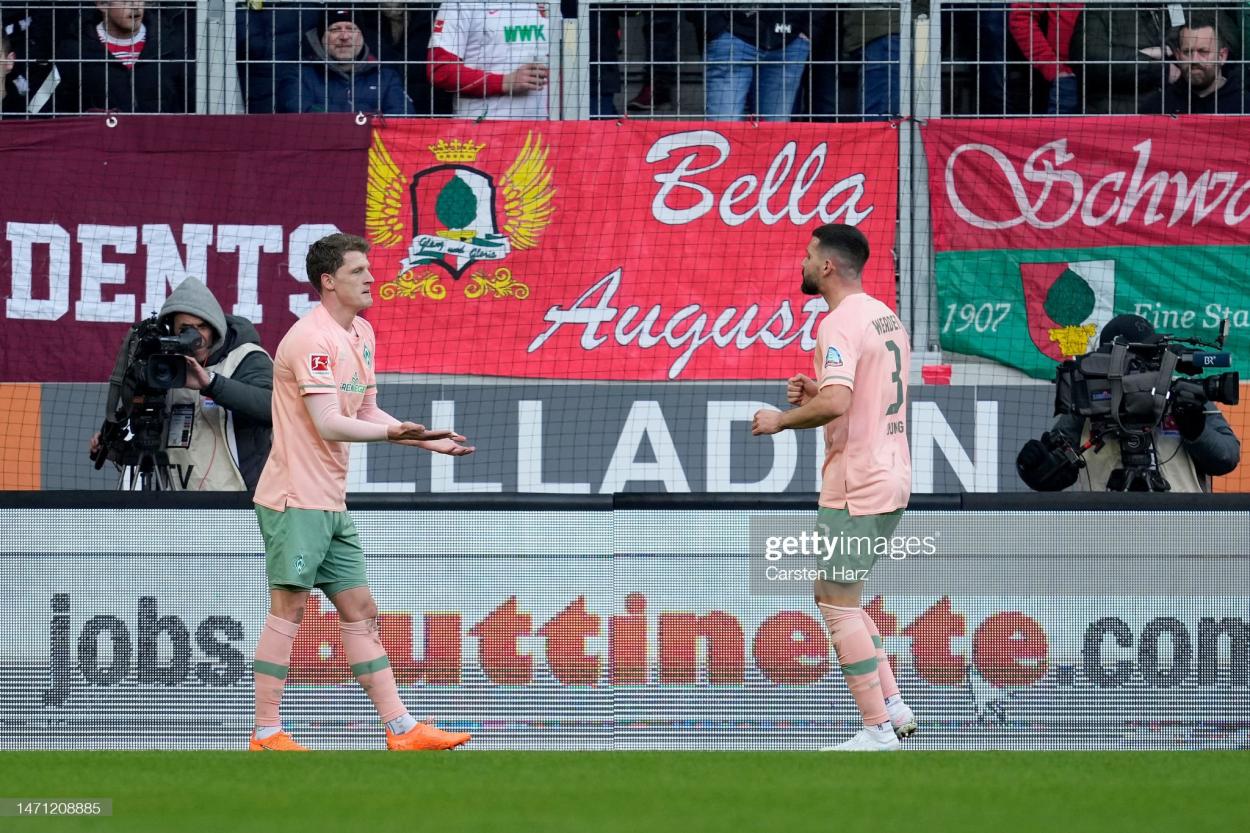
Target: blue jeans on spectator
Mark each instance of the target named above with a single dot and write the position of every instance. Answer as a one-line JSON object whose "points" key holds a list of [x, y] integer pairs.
{"points": [[879, 97], [992, 57], [732, 65], [1063, 96]]}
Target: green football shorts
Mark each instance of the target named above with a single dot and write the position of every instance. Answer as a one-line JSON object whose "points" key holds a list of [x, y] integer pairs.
{"points": [[307, 548], [851, 544]]}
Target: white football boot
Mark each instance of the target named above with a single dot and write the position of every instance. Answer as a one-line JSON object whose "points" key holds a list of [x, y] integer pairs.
{"points": [[868, 740], [903, 720]]}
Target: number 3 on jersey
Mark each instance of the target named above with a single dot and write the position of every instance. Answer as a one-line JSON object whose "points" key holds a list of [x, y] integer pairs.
{"points": [[896, 377]]}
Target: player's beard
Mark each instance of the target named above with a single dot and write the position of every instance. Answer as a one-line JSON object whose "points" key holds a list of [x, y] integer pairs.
{"points": [[809, 285]]}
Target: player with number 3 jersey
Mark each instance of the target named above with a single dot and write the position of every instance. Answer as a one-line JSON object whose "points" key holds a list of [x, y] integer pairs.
{"points": [[858, 393]]}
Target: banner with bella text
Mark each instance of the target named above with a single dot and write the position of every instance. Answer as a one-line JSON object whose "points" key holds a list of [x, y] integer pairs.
{"points": [[1045, 229], [615, 251]]}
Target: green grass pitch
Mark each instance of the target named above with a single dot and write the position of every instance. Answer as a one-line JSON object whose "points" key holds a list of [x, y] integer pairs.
{"points": [[640, 792]]}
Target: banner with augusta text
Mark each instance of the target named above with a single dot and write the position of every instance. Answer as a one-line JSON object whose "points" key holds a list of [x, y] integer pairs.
{"points": [[1045, 229], [589, 250]]}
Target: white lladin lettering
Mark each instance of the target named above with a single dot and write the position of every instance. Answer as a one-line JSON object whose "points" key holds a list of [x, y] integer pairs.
{"points": [[681, 199], [686, 329], [1113, 198]]}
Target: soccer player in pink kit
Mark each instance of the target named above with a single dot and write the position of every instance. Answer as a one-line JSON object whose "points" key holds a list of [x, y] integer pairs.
{"points": [[325, 397], [859, 395]]}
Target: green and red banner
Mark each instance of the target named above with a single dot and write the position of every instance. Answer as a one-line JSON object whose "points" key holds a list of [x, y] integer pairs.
{"points": [[1045, 229], [593, 250]]}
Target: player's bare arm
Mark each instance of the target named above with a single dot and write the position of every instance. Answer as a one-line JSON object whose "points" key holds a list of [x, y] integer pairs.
{"points": [[828, 404], [800, 389]]}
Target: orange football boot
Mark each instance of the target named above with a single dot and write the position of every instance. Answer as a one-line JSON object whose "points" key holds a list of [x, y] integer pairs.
{"points": [[425, 737], [281, 742]]}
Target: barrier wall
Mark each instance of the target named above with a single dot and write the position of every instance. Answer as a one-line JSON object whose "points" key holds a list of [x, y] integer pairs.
{"points": [[635, 628]]}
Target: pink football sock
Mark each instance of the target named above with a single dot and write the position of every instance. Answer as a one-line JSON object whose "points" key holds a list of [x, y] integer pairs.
{"points": [[885, 673], [273, 657], [371, 668], [858, 659]]}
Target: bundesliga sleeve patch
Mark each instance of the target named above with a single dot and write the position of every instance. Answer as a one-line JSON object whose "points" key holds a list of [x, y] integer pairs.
{"points": [[319, 364], [833, 358]]}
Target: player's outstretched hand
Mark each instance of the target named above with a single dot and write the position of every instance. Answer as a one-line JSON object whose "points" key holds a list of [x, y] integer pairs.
{"points": [[766, 422], [800, 389], [412, 431], [452, 446]]}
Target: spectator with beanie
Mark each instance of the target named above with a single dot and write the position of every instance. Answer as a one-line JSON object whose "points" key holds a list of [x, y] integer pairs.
{"points": [[122, 63], [340, 74]]}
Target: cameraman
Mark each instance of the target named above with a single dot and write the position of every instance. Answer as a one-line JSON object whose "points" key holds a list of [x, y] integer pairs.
{"points": [[220, 427], [1193, 442]]}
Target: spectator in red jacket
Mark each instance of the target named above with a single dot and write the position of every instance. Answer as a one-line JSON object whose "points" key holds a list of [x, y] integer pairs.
{"points": [[1043, 31]]}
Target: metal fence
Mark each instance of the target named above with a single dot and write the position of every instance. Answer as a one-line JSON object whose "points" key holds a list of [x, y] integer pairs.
{"points": [[768, 59]]}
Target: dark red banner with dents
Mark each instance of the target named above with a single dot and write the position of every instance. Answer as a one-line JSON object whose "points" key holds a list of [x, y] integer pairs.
{"points": [[615, 251], [99, 222]]}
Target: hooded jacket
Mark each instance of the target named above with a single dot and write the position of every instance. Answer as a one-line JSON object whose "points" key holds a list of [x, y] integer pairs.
{"points": [[230, 423], [363, 85]]}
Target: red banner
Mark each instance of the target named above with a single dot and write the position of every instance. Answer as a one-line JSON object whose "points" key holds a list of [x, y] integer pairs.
{"points": [[98, 223], [595, 250], [1095, 182]]}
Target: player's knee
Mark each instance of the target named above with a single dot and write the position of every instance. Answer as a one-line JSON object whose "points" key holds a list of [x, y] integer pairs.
{"points": [[289, 606]]}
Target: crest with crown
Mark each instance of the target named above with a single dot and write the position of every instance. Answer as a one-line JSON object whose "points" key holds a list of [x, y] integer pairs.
{"points": [[461, 214], [456, 150]]}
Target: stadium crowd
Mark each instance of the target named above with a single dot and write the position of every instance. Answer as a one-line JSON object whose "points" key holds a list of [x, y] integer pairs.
{"points": [[483, 60]]}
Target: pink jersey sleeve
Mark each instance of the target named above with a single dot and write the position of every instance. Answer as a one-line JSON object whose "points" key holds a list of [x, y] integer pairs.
{"points": [[311, 356], [837, 353]]}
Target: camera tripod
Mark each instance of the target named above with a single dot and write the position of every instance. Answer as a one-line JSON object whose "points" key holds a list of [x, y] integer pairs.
{"points": [[142, 458], [1140, 469]]}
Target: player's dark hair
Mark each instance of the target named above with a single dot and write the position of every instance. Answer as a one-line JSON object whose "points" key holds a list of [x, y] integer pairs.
{"points": [[325, 257], [846, 242]]}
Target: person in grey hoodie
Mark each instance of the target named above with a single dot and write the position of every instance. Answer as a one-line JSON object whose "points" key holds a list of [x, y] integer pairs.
{"points": [[219, 425]]}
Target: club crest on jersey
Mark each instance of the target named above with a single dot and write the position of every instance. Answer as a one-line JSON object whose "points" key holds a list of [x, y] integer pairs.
{"points": [[462, 214], [319, 364], [833, 358]]}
